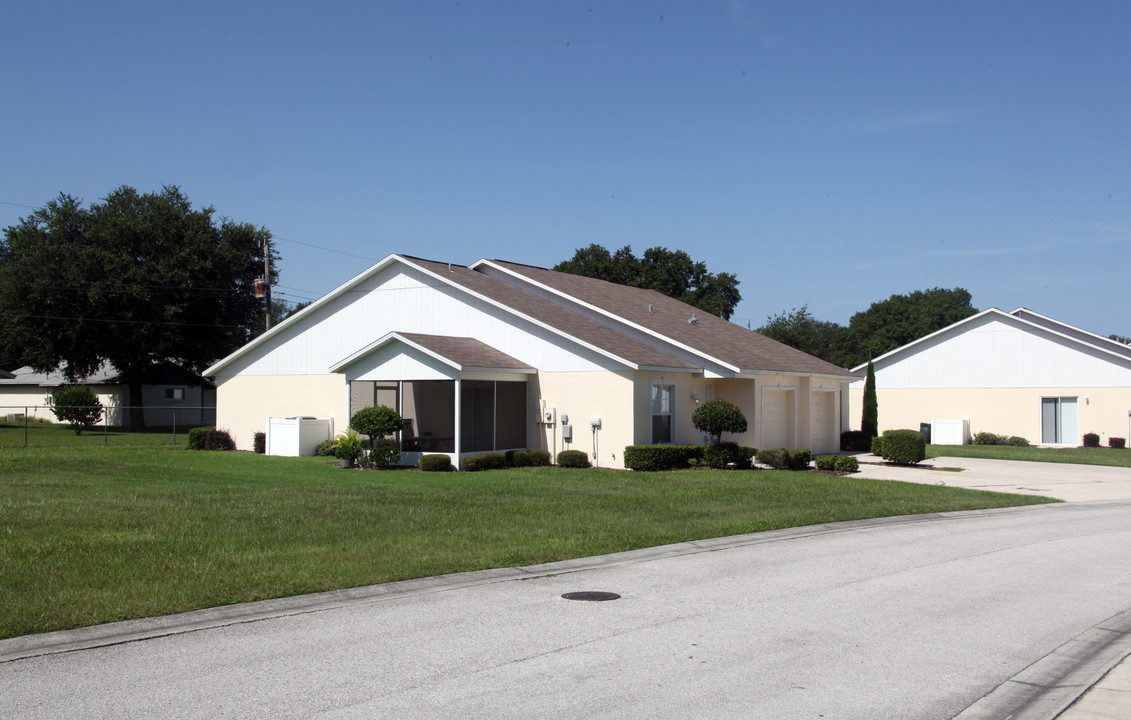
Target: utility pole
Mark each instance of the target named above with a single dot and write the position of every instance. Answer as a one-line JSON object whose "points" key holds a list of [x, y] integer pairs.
{"points": [[267, 279]]}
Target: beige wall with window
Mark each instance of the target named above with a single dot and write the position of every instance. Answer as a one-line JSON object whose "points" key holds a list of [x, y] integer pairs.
{"points": [[1005, 411]]}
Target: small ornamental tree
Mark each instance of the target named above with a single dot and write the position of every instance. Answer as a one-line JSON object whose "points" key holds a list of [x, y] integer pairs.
{"points": [[77, 405], [870, 420], [717, 417], [376, 421]]}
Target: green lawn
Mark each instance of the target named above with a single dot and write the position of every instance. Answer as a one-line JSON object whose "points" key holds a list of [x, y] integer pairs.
{"points": [[1080, 456], [39, 434], [91, 535]]}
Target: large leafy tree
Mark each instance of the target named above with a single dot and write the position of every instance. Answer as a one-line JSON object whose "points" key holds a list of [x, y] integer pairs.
{"points": [[798, 328], [134, 280], [671, 272]]}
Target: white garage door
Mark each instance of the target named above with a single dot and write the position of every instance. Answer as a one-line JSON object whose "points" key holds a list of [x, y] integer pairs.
{"points": [[821, 411], [777, 421]]}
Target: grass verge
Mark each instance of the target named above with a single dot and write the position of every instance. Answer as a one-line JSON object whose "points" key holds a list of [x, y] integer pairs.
{"points": [[1079, 456], [93, 535]]}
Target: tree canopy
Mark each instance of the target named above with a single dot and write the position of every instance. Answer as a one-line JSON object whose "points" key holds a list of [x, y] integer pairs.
{"points": [[133, 280], [671, 272], [883, 327]]}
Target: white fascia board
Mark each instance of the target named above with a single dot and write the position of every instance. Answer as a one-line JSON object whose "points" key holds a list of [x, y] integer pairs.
{"points": [[690, 371], [499, 371], [601, 311], [862, 367], [387, 339], [751, 374], [327, 298], [511, 311], [1103, 341], [1074, 340]]}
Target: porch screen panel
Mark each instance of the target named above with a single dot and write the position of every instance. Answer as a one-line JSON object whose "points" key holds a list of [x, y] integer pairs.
{"points": [[361, 395], [510, 415], [477, 421], [428, 407]]}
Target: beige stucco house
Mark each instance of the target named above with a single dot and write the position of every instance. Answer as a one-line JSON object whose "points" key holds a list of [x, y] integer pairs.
{"points": [[1010, 373], [497, 356], [171, 395]]}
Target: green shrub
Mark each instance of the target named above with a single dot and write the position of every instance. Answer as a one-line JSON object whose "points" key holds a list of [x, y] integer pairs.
{"points": [[905, 447], [218, 440], [77, 405], [724, 454], [538, 458], [799, 459], [435, 463], [717, 417], [825, 463], [518, 458], [327, 448], [847, 463], [777, 458], [1091, 440], [1017, 441], [348, 448], [573, 459], [487, 461], [988, 438], [878, 445], [259, 443], [376, 421], [197, 435], [1117, 443], [653, 458], [382, 456]]}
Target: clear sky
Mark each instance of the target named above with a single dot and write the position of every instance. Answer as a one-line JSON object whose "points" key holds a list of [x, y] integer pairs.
{"points": [[827, 153]]}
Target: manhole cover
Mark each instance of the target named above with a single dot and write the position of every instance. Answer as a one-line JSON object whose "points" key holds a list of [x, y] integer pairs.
{"points": [[591, 595]]}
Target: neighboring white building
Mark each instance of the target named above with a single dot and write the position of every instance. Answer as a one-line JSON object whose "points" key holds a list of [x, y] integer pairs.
{"points": [[1017, 373], [497, 356], [170, 396]]}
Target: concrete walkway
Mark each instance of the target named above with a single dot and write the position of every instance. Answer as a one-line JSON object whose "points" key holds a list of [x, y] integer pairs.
{"points": [[1108, 699]]}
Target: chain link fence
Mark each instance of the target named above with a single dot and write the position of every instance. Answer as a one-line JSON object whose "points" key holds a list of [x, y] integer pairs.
{"points": [[28, 426]]}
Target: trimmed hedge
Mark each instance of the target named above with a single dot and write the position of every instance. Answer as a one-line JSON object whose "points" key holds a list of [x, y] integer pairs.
{"points": [[327, 448], [573, 459], [988, 438], [653, 458], [489, 461], [259, 443], [1117, 443], [1091, 440], [538, 458], [826, 463], [904, 447], [847, 463], [723, 454], [783, 459], [855, 440], [196, 436], [878, 445], [435, 463]]}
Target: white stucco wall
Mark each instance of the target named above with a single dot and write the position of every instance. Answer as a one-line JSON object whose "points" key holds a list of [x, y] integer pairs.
{"points": [[246, 401], [584, 395]]}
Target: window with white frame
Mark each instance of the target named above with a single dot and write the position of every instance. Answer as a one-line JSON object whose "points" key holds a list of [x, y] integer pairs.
{"points": [[662, 400]]}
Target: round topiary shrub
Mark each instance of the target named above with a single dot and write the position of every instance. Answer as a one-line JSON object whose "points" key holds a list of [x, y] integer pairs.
{"points": [[376, 421], [573, 459], [717, 417], [538, 458]]}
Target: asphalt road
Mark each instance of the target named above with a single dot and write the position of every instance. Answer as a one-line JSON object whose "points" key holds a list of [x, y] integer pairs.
{"points": [[915, 617]]}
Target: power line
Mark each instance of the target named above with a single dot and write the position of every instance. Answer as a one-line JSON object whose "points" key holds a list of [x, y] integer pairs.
{"points": [[122, 322]]}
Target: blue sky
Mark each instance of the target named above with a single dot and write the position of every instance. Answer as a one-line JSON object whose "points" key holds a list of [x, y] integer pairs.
{"points": [[828, 153]]}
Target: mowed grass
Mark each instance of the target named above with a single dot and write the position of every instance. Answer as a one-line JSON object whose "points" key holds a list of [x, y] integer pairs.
{"points": [[39, 434], [92, 535], [1079, 456]]}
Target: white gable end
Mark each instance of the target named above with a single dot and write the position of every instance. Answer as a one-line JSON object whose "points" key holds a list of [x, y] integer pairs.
{"points": [[997, 352], [404, 299]]}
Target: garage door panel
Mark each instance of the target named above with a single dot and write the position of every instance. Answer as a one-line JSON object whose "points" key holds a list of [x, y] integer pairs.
{"points": [[776, 418]]}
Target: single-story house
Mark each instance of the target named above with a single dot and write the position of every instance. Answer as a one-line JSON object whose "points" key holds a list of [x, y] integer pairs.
{"points": [[1010, 373], [171, 395], [498, 355]]}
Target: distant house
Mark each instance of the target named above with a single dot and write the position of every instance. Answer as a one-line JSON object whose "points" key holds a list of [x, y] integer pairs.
{"points": [[499, 356], [171, 395], [1010, 373]]}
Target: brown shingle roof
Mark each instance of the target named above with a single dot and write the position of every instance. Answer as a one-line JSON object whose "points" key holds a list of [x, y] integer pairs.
{"points": [[592, 333], [467, 353], [731, 344]]}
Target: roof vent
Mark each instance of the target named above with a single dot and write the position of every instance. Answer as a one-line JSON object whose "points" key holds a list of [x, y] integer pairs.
{"points": [[649, 307], [693, 319]]}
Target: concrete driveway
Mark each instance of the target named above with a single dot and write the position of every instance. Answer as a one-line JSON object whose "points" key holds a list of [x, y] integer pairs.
{"points": [[1074, 483]]}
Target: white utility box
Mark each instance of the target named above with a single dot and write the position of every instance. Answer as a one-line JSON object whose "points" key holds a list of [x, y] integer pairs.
{"points": [[297, 436], [950, 432]]}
